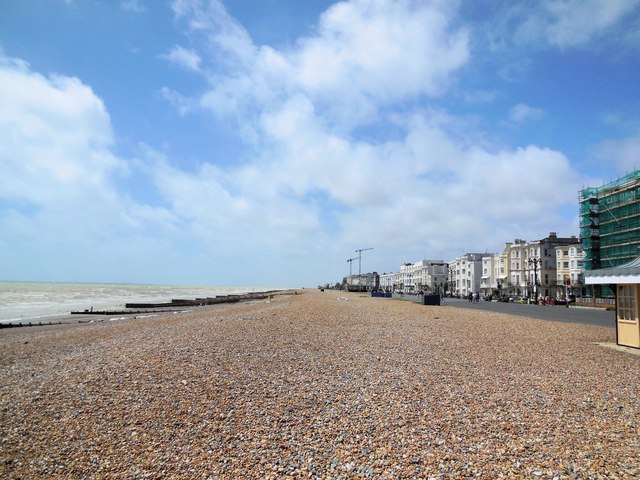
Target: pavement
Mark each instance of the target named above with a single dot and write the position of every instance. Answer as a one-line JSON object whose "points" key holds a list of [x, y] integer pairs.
{"points": [[559, 313]]}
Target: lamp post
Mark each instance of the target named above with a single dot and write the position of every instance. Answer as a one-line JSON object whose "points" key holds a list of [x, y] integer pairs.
{"points": [[535, 262], [452, 282]]}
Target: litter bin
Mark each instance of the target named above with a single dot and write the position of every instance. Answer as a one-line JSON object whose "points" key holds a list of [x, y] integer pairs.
{"points": [[431, 300]]}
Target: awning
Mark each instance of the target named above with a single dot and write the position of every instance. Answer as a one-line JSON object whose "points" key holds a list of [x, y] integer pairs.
{"points": [[622, 274]]}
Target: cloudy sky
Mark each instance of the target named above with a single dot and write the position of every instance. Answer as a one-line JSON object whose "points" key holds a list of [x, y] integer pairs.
{"points": [[261, 142]]}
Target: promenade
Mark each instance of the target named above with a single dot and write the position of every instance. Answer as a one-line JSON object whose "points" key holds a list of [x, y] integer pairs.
{"points": [[558, 313], [318, 385]]}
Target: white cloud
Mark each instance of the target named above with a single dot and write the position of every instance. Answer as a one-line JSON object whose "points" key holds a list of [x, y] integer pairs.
{"points": [[55, 136], [522, 113], [384, 50], [233, 210], [303, 104], [60, 200], [209, 17], [570, 23], [624, 153], [183, 57], [135, 6], [365, 55], [309, 184], [574, 22]]}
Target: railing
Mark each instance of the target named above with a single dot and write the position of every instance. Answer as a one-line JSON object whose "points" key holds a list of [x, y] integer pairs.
{"points": [[600, 302]]}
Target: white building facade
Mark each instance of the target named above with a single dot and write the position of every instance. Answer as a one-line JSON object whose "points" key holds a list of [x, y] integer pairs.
{"points": [[388, 281], [533, 268], [467, 271], [422, 276], [570, 270]]}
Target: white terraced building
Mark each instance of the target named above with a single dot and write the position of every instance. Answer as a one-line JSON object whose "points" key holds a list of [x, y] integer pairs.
{"points": [[527, 269], [570, 269], [423, 275], [467, 273]]}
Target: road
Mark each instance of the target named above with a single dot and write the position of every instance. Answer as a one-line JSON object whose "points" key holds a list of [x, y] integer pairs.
{"points": [[585, 316]]}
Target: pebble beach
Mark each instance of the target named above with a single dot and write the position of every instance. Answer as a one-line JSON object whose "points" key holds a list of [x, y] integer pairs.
{"points": [[327, 385]]}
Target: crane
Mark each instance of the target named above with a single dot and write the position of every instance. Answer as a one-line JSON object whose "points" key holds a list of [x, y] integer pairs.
{"points": [[349, 261], [359, 252]]}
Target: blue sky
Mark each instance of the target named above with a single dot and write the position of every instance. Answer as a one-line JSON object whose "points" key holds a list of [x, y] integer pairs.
{"points": [[261, 142]]}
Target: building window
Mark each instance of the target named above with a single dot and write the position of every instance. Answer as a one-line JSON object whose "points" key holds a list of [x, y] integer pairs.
{"points": [[627, 303]]}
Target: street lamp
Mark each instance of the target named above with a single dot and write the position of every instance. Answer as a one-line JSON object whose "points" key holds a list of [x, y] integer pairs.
{"points": [[535, 262], [452, 281]]}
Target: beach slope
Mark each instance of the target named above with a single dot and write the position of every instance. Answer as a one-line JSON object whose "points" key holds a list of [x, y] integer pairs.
{"points": [[318, 385]]}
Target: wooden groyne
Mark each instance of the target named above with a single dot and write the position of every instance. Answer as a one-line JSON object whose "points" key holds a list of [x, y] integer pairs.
{"points": [[175, 305], [179, 303], [30, 324], [199, 302]]}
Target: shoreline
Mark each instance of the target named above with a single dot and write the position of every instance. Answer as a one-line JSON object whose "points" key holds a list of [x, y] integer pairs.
{"points": [[319, 385], [138, 311]]}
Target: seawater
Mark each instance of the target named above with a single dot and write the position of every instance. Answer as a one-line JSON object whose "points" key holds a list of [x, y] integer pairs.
{"points": [[20, 301]]}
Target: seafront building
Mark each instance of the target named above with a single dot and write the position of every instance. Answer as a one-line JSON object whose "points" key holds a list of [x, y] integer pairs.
{"points": [[495, 273], [389, 280], [610, 225], [523, 269], [467, 273], [610, 222], [364, 282], [421, 276], [549, 267], [544, 269], [570, 269], [530, 269]]}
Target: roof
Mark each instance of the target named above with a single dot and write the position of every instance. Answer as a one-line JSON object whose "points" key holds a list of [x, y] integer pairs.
{"points": [[626, 273]]}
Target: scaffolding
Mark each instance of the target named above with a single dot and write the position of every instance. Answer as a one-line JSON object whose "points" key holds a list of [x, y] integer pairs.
{"points": [[610, 222]]}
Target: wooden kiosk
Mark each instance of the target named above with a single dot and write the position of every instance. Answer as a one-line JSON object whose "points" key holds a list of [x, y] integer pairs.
{"points": [[625, 280]]}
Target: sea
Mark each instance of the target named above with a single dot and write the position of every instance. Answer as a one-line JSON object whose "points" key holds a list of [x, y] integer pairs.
{"points": [[30, 301]]}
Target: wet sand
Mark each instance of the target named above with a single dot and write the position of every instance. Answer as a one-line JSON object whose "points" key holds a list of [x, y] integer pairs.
{"points": [[318, 385]]}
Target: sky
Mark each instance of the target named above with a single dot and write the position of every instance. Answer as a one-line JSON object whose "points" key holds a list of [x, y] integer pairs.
{"points": [[263, 142]]}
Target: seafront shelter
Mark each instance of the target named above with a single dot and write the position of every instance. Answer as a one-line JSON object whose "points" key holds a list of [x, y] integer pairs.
{"points": [[625, 282]]}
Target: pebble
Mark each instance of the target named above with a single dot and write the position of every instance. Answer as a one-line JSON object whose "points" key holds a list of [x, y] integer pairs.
{"points": [[315, 386]]}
